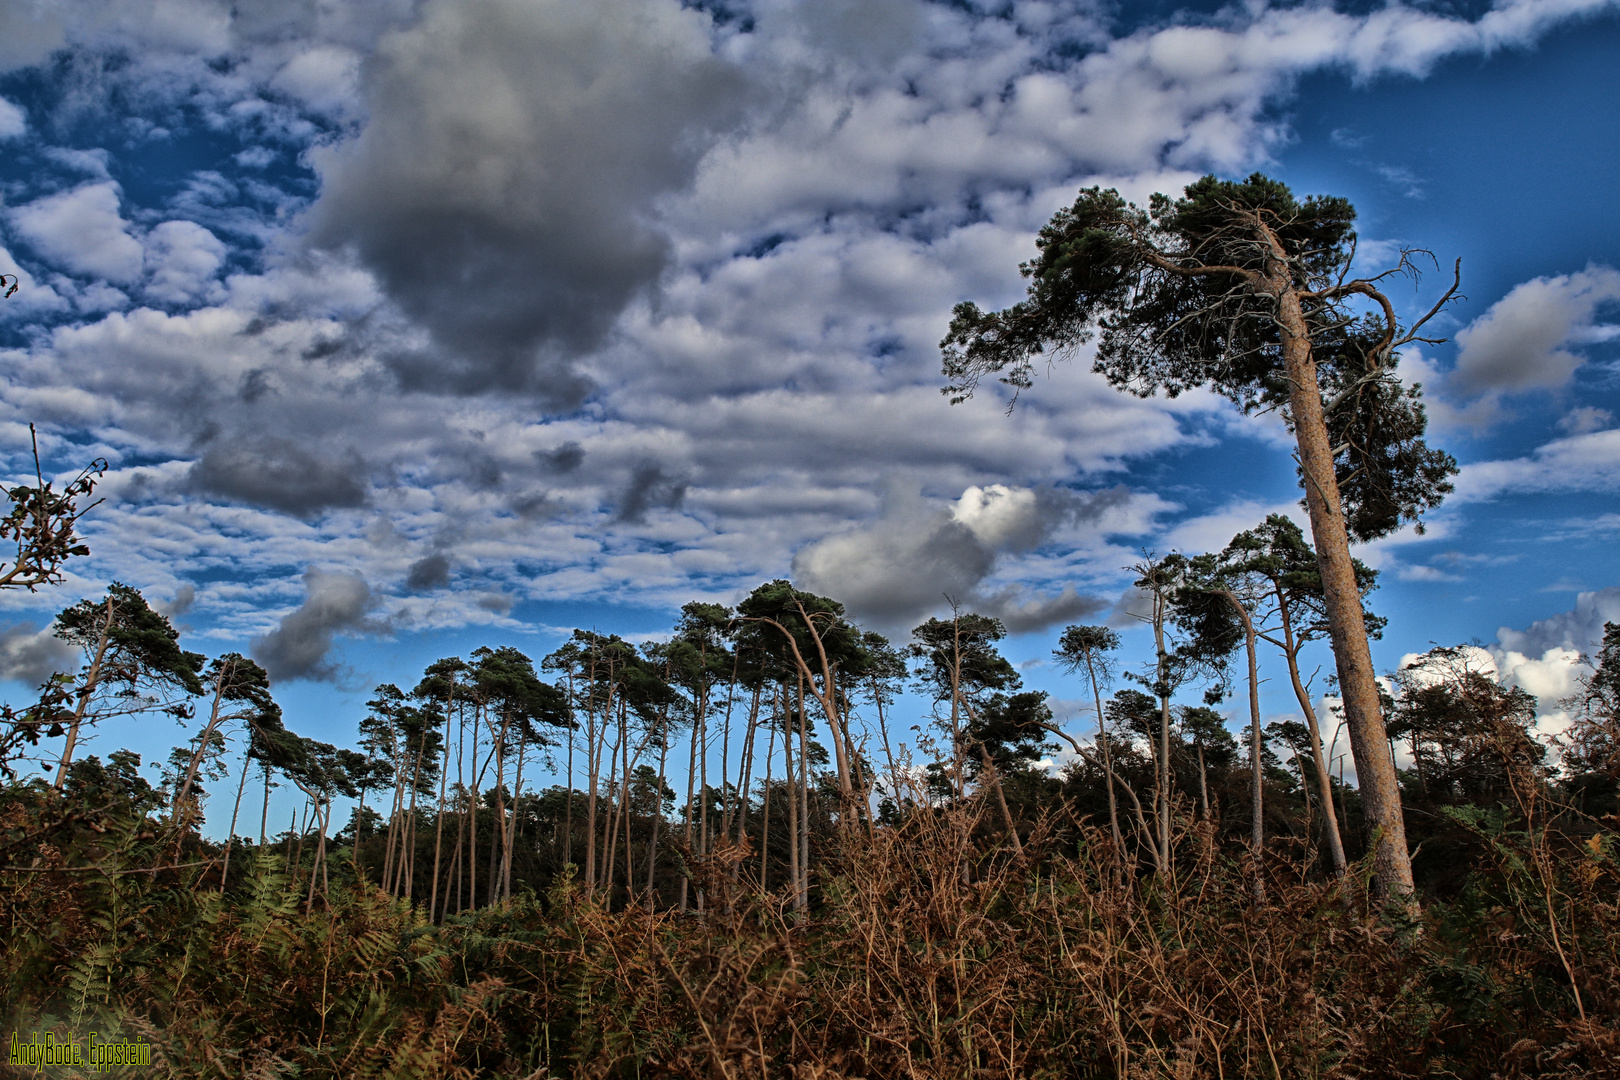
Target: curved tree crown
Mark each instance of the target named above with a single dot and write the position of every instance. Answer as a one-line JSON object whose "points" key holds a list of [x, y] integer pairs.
{"points": [[1186, 294], [143, 647]]}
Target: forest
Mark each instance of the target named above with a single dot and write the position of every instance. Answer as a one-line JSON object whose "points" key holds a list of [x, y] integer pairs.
{"points": [[751, 867]]}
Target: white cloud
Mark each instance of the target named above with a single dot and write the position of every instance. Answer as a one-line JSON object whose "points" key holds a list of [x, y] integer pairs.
{"points": [[13, 121], [82, 231], [1577, 630], [1585, 419], [181, 259], [1589, 462], [323, 77], [919, 552], [1518, 343]]}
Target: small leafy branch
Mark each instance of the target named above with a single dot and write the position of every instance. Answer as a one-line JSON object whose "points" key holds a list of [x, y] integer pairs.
{"points": [[42, 522]]}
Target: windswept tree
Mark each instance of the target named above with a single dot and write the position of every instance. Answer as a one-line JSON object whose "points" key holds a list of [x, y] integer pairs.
{"points": [[1241, 287], [1090, 648], [696, 661], [241, 694], [812, 637], [133, 664], [1275, 560]]}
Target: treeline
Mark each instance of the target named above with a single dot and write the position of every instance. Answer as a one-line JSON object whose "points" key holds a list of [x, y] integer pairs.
{"points": [[776, 720]]}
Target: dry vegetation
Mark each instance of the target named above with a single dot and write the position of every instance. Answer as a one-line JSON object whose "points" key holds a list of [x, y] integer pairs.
{"points": [[930, 949]]}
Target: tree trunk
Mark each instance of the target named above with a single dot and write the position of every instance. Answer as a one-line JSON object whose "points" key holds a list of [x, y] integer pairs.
{"points": [[230, 836], [1324, 779], [658, 816], [765, 810], [802, 901], [92, 679], [1163, 794], [202, 744], [1347, 626], [1107, 757], [438, 823]]}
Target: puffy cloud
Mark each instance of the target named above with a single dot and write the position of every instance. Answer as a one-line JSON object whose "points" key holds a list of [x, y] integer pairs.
{"points": [[298, 647], [1577, 630], [1585, 419], [1589, 462], [182, 258], [82, 231], [31, 655], [324, 77], [503, 184], [1519, 343], [918, 554]]}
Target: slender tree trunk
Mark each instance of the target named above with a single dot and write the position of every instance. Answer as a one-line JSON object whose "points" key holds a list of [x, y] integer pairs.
{"points": [[691, 784], [568, 812], [439, 812], [320, 855], [409, 871], [1107, 755], [726, 809], [230, 841], [1257, 750], [497, 840], [264, 813], [993, 775], [1324, 779], [765, 810], [1347, 627], [472, 811], [202, 742], [629, 816], [658, 816], [359, 820], [802, 901], [92, 680], [511, 834], [1203, 786], [1163, 794], [793, 815], [703, 796], [745, 771]]}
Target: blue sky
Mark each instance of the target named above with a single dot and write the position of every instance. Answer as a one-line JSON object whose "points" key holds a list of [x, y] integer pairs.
{"points": [[410, 327]]}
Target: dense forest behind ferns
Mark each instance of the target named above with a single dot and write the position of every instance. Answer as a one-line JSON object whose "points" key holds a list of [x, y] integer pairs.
{"points": [[859, 909]]}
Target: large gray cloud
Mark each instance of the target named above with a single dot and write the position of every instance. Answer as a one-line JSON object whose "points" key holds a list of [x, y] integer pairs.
{"points": [[1520, 343], [31, 655], [280, 474], [918, 555], [298, 647], [503, 185]]}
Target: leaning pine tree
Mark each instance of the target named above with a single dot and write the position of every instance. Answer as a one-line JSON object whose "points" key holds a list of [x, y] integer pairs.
{"points": [[1242, 288]]}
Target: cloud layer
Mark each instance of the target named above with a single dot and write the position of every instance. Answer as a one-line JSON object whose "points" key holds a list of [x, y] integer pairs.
{"points": [[465, 303]]}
